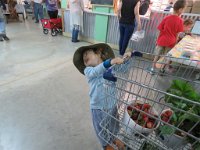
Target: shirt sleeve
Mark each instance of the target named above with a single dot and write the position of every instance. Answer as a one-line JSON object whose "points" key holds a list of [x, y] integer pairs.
{"points": [[91, 72], [161, 25], [180, 27]]}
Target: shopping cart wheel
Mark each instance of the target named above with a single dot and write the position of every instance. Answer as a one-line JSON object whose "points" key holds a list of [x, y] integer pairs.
{"points": [[45, 31], [54, 32]]}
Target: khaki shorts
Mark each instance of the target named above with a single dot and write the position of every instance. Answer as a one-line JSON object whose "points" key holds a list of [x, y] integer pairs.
{"points": [[160, 50]]}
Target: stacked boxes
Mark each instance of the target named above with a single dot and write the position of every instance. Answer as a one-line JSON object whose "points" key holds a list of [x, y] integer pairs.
{"points": [[189, 6], [196, 7], [193, 7]]}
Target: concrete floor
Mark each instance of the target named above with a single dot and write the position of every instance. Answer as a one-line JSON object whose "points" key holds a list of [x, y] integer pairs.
{"points": [[44, 103]]}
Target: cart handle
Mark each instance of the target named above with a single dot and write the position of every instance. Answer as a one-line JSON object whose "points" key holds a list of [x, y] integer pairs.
{"points": [[108, 75]]}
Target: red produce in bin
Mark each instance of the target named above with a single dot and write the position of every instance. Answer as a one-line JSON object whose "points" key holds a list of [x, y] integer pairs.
{"points": [[55, 25]]}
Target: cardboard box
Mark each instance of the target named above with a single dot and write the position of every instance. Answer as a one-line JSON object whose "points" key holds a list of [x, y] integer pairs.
{"points": [[195, 10], [196, 4], [189, 3], [188, 10]]}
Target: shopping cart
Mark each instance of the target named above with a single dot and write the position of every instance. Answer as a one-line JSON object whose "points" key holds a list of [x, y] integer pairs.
{"points": [[160, 111]]}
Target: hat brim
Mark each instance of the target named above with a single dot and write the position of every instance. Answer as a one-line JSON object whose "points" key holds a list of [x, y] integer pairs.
{"points": [[78, 55]]}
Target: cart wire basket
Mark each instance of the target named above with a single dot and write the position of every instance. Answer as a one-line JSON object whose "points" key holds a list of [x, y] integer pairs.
{"points": [[154, 111]]}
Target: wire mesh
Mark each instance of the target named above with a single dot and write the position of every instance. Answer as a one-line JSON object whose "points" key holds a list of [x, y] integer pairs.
{"points": [[155, 111]]}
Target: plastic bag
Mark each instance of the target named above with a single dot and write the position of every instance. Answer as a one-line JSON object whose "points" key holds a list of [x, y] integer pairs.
{"points": [[138, 35]]}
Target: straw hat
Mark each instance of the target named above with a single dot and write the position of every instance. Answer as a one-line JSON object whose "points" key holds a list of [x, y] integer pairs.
{"points": [[78, 55]]}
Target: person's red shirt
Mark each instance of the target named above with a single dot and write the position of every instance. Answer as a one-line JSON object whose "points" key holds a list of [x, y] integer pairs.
{"points": [[169, 29]]}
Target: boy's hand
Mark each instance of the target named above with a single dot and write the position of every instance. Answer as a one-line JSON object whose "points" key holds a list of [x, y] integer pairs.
{"points": [[127, 55], [117, 61]]}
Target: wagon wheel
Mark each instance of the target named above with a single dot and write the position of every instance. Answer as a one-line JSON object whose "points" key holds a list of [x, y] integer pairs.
{"points": [[45, 31], [53, 32]]}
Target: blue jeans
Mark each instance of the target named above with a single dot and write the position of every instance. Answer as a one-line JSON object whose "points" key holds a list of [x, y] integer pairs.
{"points": [[2, 26], [38, 10], [126, 31], [99, 117]]}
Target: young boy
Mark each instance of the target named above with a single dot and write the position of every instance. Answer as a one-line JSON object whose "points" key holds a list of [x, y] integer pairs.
{"points": [[169, 29], [187, 26], [93, 61]]}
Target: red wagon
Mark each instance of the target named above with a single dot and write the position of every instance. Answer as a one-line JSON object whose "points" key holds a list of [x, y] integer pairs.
{"points": [[55, 25]]}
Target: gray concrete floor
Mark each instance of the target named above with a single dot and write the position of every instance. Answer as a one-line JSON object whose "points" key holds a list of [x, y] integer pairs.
{"points": [[44, 103]]}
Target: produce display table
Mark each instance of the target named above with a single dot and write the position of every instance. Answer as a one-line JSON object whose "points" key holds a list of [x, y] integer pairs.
{"points": [[187, 51]]}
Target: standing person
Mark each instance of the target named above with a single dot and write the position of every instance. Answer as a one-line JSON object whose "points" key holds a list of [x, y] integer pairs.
{"points": [[76, 17], [187, 26], [93, 61], [168, 36], [52, 8], [38, 10], [127, 13], [2, 22]]}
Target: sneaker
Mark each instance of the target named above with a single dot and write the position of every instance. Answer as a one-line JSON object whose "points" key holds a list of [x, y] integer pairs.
{"points": [[6, 38], [151, 71], [36, 21]]}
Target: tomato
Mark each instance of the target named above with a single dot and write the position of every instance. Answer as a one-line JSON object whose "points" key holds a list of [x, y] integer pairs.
{"points": [[149, 125]]}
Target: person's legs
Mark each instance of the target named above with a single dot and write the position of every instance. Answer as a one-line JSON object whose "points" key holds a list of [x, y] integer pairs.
{"points": [[75, 33], [122, 30], [127, 35], [2, 26], [50, 14], [36, 12], [3, 30], [158, 51], [97, 117], [167, 62], [114, 128], [40, 11], [53, 14]]}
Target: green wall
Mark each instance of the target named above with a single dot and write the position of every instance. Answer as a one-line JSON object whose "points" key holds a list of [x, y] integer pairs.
{"points": [[64, 4], [101, 23]]}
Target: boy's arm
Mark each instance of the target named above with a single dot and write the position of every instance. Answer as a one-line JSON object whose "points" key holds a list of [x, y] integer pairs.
{"points": [[92, 72], [119, 9], [137, 16]]}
